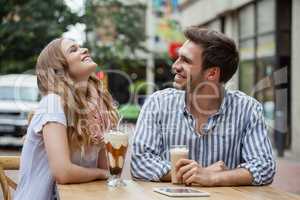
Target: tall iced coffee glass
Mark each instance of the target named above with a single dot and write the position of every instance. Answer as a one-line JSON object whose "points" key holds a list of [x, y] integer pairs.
{"points": [[116, 143], [177, 152]]}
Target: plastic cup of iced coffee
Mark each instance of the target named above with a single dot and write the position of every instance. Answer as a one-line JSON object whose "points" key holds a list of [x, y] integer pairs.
{"points": [[116, 143], [177, 152]]}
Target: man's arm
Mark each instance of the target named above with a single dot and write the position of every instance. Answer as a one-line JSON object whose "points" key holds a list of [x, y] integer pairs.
{"points": [[259, 165], [147, 161], [257, 150], [233, 177], [214, 175]]}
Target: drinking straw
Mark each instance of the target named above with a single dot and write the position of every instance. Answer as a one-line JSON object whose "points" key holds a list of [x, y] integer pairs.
{"points": [[119, 122]]}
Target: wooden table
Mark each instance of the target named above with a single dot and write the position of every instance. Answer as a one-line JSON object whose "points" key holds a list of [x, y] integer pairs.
{"points": [[143, 191]]}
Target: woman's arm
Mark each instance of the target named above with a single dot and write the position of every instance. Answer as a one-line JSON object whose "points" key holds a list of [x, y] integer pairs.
{"points": [[58, 152]]}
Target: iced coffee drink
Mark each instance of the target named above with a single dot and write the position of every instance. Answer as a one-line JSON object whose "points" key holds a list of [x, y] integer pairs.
{"points": [[116, 145], [177, 152]]}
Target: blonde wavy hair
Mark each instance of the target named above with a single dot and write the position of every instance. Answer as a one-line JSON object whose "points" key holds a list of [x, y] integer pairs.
{"points": [[53, 77]]}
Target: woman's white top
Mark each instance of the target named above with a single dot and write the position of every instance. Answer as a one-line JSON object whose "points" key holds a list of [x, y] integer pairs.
{"points": [[36, 180]]}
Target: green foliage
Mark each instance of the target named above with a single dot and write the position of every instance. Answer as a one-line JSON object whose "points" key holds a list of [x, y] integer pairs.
{"points": [[129, 111], [26, 27], [117, 32], [138, 87]]}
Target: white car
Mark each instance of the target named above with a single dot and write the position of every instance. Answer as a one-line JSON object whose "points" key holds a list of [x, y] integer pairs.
{"points": [[19, 95]]}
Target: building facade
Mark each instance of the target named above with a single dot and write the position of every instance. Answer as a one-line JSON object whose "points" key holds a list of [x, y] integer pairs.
{"points": [[266, 34]]}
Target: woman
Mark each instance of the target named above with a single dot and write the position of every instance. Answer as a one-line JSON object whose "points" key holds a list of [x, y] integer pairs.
{"points": [[64, 141]]}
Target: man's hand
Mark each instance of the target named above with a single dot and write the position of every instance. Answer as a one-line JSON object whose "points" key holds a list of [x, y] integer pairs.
{"points": [[217, 167], [191, 172]]}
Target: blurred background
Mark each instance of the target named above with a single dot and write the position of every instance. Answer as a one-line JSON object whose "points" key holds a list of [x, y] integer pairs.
{"points": [[135, 43]]}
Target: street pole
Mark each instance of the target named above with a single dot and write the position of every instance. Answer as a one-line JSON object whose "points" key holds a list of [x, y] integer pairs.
{"points": [[150, 45]]}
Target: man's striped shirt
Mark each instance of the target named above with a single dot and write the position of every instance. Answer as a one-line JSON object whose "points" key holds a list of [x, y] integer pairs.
{"points": [[236, 134]]}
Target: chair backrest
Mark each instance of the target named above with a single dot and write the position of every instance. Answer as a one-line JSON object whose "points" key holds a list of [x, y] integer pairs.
{"points": [[8, 163]]}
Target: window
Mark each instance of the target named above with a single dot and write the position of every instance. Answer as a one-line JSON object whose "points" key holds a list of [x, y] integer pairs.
{"points": [[246, 80], [247, 25], [265, 16], [247, 51], [257, 52], [265, 46]]}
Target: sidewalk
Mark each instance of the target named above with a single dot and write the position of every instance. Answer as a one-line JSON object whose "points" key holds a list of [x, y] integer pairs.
{"points": [[287, 176]]}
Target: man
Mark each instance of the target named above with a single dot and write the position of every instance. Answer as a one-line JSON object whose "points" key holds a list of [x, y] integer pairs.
{"points": [[224, 130]]}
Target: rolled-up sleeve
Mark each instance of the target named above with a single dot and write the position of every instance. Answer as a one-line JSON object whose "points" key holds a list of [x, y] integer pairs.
{"points": [[257, 150], [147, 161]]}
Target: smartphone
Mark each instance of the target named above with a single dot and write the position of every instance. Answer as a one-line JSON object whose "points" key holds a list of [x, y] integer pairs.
{"points": [[180, 192]]}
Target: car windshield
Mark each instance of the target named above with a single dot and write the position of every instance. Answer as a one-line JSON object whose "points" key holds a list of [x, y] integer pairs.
{"points": [[19, 93]]}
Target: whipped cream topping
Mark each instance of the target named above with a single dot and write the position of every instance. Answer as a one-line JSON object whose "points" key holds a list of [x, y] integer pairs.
{"points": [[116, 139], [180, 151]]}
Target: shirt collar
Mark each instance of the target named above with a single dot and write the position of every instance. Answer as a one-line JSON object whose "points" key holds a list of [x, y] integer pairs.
{"points": [[221, 110]]}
